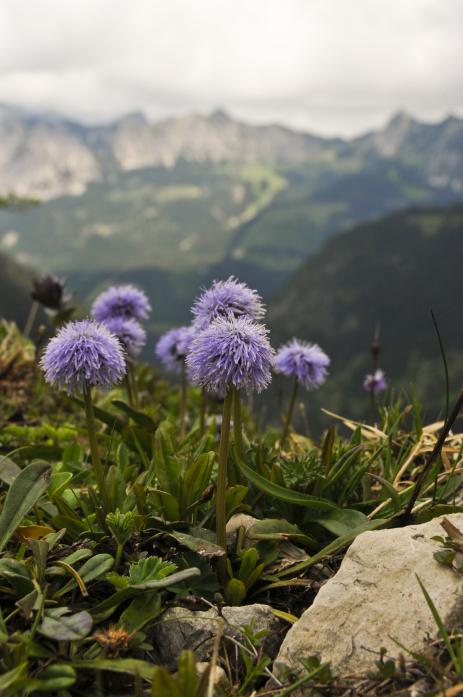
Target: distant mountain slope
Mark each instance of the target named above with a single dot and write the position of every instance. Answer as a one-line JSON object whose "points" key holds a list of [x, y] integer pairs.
{"points": [[15, 286], [392, 271]]}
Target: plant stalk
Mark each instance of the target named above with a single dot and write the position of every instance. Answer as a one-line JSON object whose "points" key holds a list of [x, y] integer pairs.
{"points": [[132, 378], [221, 491], [289, 415], [183, 397], [95, 453], [237, 423], [128, 389], [202, 411], [34, 308]]}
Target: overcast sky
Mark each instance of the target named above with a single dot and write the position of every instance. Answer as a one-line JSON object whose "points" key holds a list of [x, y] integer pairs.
{"points": [[329, 66]]}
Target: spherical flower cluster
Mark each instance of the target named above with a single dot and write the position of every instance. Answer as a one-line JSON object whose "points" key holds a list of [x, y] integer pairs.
{"points": [[129, 332], [227, 299], [83, 354], [375, 383], [229, 352], [121, 301], [306, 362], [173, 347]]}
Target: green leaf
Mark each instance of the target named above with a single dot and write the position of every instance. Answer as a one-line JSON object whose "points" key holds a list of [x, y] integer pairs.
{"points": [[24, 492], [278, 529], [7, 679], [196, 479], [38, 452], [60, 626], [393, 494], [235, 591], [8, 470], [138, 417], [111, 420], [333, 547], [187, 677], [439, 623], [92, 569], [131, 666], [280, 492], [59, 482], [143, 609], [166, 465], [101, 610], [150, 569], [341, 521], [58, 676], [203, 547]]}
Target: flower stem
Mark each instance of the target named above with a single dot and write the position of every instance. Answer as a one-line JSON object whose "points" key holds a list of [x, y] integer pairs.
{"points": [[128, 388], [132, 378], [183, 395], [289, 415], [220, 512], [96, 461], [31, 318], [237, 423], [202, 411]]}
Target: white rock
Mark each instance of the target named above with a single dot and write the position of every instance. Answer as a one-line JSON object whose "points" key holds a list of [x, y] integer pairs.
{"points": [[375, 598]]}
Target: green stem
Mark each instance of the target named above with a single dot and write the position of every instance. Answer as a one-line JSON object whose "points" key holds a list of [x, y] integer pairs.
{"points": [[220, 512], [372, 407], [128, 388], [289, 415], [202, 412], [183, 395], [118, 557], [95, 453], [132, 376], [237, 423], [31, 318]]}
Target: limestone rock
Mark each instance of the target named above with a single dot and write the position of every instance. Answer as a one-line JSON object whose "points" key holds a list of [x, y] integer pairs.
{"points": [[237, 521], [181, 629], [375, 598]]}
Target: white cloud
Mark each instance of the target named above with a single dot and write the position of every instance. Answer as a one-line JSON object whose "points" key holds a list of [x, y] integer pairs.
{"points": [[331, 66]]}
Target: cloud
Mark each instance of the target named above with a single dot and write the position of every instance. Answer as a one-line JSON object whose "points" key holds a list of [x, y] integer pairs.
{"points": [[330, 66]]}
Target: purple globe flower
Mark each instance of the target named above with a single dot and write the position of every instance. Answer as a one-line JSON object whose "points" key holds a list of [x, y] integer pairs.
{"points": [[121, 301], [227, 299], [306, 362], [83, 354], [129, 332], [232, 351], [375, 383], [173, 347]]}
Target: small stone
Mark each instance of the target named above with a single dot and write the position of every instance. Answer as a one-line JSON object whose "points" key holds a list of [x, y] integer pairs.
{"points": [[180, 628], [237, 521], [375, 598]]}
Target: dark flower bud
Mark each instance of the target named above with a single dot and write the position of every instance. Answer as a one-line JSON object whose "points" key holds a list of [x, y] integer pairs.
{"points": [[49, 291]]}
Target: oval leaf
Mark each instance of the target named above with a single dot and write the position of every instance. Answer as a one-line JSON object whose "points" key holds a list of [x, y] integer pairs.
{"points": [[24, 492]]}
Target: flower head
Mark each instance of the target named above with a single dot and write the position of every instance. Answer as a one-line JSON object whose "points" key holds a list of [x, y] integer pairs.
{"points": [[306, 362], [129, 332], [227, 299], [173, 347], [82, 354], [121, 301], [49, 291], [234, 352], [375, 383]]}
